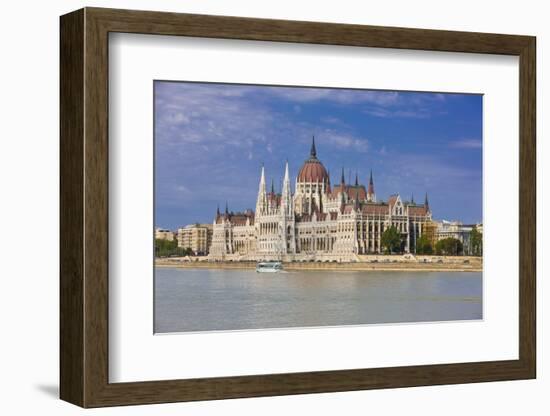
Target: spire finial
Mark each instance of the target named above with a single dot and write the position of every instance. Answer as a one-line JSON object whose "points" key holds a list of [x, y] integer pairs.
{"points": [[272, 186], [370, 180], [412, 198], [313, 152], [343, 179], [356, 179], [218, 211], [426, 204], [226, 208]]}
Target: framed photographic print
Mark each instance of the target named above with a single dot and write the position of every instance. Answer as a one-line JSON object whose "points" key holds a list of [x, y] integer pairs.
{"points": [[255, 207]]}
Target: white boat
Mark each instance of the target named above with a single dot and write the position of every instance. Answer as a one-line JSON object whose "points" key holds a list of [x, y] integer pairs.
{"points": [[269, 267]]}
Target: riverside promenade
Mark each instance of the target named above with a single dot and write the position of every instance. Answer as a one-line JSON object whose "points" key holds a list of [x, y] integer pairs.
{"points": [[375, 263]]}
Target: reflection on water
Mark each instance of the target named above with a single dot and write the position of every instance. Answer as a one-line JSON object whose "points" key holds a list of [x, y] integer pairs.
{"points": [[212, 299]]}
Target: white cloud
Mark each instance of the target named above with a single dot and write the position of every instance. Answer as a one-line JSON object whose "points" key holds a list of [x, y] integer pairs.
{"points": [[340, 96], [345, 141], [387, 113], [330, 120], [466, 144]]}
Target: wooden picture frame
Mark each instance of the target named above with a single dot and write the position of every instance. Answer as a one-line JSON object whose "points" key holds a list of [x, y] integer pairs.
{"points": [[84, 207]]}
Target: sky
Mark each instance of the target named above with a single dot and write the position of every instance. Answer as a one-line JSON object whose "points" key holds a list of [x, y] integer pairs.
{"points": [[212, 139]]}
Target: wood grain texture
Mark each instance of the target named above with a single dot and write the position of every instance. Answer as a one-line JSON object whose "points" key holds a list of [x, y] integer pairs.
{"points": [[71, 208], [527, 207], [84, 207]]}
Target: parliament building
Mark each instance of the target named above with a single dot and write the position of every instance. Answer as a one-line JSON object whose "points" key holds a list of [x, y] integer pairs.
{"points": [[318, 222]]}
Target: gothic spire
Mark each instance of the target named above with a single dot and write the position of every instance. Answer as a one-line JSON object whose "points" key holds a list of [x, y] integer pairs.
{"points": [[286, 194], [370, 189], [343, 179], [226, 208], [313, 152], [218, 211], [272, 187], [356, 179], [412, 198], [287, 176], [261, 200], [426, 204]]}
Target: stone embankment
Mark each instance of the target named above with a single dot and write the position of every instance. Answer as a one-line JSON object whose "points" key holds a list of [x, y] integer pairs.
{"points": [[375, 262]]}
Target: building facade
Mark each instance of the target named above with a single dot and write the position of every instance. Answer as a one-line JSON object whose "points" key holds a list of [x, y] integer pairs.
{"points": [[163, 234], [459, 231], [197, 237], [318, 221]]}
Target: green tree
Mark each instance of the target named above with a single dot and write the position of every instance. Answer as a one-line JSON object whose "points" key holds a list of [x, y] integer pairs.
{"points": [[476, 242], [449, 247], [423, 245], [166, 248], [391, 240]]}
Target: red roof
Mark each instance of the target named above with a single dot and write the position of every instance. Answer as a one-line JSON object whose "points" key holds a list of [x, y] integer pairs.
{"points": [[392, 200], [313, 171], [376, 209], [238, 218], [419, 210], [351, 191]]}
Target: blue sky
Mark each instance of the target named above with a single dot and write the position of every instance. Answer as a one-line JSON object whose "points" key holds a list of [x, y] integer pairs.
{"points": [[211, 139]]}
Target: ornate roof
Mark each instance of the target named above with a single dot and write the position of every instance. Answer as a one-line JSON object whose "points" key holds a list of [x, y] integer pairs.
{"points": [[313, 170], [417, 210], [236, 218], [378, 209], [351, 191]]}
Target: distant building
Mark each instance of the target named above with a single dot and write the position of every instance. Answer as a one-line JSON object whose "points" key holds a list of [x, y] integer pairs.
{"points": [[430, 231], [162, 234], [319, 221], [455, 229], [479, 227], [197, 237]]}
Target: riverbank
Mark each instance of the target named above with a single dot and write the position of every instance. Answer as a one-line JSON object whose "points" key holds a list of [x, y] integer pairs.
{"points": [[462, 264]]}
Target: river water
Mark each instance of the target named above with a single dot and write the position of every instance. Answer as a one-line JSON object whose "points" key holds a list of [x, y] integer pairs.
{"points": [[215, 299]]}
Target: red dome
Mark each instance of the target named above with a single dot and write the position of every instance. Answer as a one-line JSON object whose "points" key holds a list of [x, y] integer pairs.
{"points": [[312, 169]]}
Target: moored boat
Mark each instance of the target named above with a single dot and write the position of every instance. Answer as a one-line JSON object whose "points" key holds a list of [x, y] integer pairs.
{"points": [[269, 267]]}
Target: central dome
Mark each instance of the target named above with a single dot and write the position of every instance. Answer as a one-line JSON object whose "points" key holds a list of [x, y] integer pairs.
{"points": [[313, 170]]}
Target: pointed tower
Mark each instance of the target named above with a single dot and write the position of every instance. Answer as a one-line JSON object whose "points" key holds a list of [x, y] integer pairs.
{"points": [[262, 197], [342, 188], [313, 151], [426, 204], [286, 195], [412, 199], [226, 208], [288, 243], [356, 179], [371, 196]]}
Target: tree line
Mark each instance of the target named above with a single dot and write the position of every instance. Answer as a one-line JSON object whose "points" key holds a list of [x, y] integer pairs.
{"points": [[169, 248], [392, 243]]}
